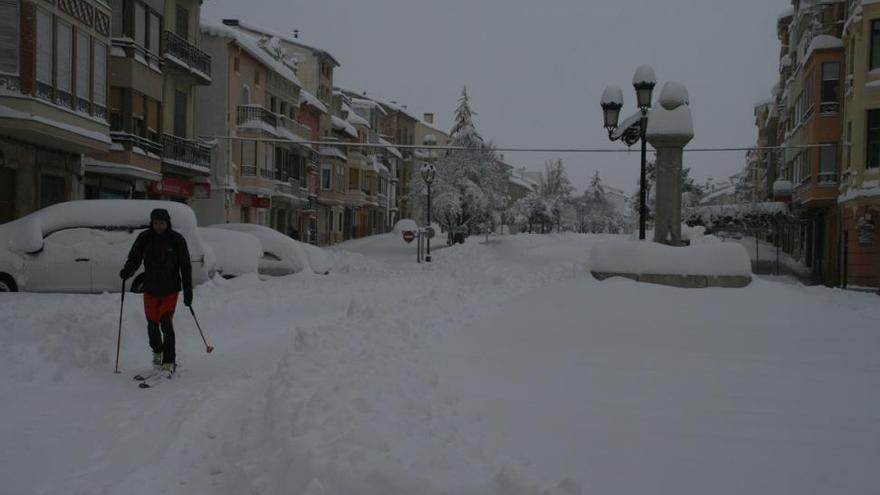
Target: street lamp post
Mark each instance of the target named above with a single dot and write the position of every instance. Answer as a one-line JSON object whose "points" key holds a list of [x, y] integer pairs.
{"points": [[632, 130], [428, 173]]}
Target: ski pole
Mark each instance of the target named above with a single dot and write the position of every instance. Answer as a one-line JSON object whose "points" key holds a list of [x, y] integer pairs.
{"points": [[119, 334], [208, 348]]}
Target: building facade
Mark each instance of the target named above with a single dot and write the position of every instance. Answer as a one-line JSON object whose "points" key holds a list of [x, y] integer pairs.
{"points": [[261, 171], [53, 100], [859, 200], [810, 129]]}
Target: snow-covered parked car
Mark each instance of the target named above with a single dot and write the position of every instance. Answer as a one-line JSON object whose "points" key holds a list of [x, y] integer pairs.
{"points": [[235, 253], [80, 246], [281, 254]]}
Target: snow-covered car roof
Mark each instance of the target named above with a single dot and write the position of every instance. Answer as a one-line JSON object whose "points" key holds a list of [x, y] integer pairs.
{"points": [[235, 253], [27, 233], [303, 256]]}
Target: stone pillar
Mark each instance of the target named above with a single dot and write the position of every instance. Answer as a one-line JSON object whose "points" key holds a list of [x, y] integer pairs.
{"points": [[670, 129], [667, 199]]}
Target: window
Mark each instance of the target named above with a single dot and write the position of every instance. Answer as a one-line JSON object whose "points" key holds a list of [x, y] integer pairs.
{"points": [[236, 64], [828, 163], [245, 95], [182, 24], [256, 78], [44, 52], [83, 69], [180, 108], [875, 45], [249, 155], [155, 31], [100, 83], [326, 178], [873, 145], [340, 178], [64, 56], [140, 24], [53, 189], [808, 103], [830, 88], [273, 103], [9, 36], [848, 149], [354, 179]]}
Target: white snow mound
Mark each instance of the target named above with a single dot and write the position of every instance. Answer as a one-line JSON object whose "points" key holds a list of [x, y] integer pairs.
{"points": [[723, 259]]}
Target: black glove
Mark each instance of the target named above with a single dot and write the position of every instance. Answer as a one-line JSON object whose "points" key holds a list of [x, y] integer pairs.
{"points": [[124, 275], [187, 297]]}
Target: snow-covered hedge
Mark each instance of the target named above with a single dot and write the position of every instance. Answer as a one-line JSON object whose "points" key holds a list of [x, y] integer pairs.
{"points": [[406, 225], [637, 257], [736, 215]]}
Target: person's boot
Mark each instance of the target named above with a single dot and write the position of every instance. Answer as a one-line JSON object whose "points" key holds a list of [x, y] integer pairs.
{"points": [[168, 369], [157, 360]]}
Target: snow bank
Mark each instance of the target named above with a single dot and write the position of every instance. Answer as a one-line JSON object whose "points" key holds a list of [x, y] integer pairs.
{"points": [[235, 253], [635, 257]]}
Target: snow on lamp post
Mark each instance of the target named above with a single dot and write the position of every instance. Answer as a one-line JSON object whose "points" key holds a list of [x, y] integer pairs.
{"points": [[633, 129], [428, 173]]}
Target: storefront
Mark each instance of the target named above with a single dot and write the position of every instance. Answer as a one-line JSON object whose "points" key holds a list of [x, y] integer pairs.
{"points": [[252, 208]]}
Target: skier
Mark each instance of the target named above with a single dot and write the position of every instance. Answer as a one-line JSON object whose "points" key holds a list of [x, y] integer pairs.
{"points": [[167, 266]]}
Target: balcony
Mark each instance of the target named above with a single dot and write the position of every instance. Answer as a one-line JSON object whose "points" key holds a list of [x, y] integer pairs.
{"points": [[256, 113], [248, 171], [301, 130], [186, 153], [829, 108], [137, 144], [186, 57]]}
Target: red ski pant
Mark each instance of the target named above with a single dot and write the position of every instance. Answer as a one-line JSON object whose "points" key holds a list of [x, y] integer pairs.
{"points": [[160, 311]]}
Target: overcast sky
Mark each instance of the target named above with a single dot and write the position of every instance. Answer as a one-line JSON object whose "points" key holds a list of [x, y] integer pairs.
{"points": [[536, 69]]}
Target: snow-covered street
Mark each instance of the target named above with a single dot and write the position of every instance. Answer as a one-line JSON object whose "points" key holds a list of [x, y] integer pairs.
{"points": [[501, 368]]}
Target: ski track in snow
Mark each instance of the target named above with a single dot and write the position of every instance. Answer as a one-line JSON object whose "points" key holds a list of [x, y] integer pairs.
{"points": [[475, 374]]}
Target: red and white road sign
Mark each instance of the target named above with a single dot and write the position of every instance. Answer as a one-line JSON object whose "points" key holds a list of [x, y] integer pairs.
{"points": [[409, 236]]}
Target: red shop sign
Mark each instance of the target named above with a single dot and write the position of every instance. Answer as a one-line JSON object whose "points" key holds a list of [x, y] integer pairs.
{"points": [[169, 186], [249, 200]]}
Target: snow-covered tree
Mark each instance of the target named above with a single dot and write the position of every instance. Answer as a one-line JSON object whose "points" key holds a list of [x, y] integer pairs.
{"points": [[556, 190], [470, 187], [596, 213]]}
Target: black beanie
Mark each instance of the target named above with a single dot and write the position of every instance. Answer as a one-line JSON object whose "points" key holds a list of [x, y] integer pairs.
{"points": [[160, 214]]}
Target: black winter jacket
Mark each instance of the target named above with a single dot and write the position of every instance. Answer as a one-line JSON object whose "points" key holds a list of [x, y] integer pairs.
{"points": [[166, 260]]}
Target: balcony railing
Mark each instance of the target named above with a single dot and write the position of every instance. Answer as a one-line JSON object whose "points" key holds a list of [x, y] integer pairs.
{"points": [[256, 113], [248, 171], [266, 173], [186, 55], [137, 144], [295, 127], [827, 178], [829, 108], [186, 151]]}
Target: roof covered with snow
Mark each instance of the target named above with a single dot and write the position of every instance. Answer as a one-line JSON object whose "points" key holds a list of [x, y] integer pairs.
{"points": [[252, 46], [341, 125], [286, 38], [309, 99], [391, 148]]}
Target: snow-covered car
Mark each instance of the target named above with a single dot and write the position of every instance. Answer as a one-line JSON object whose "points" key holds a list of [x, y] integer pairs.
{"points": [[80, 246], [281, 254], [235, 253]]}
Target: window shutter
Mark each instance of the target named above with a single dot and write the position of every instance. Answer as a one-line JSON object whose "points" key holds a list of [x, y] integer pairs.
{"points": [[100, 74], [44, 47], [83, 64], [9, 36], [140, 24], [64, 52]]}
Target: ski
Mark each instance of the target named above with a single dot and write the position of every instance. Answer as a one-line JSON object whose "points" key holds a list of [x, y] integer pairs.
{"points": [[146, 375], [156, 378]]}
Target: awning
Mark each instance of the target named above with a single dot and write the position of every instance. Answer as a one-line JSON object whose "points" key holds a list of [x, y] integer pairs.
{"points": [[119, 170]]}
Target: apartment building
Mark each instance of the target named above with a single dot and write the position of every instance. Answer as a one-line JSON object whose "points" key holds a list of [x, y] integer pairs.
{"points": [[809, 106], [53, 99], [859, 192], [260, 174]]}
